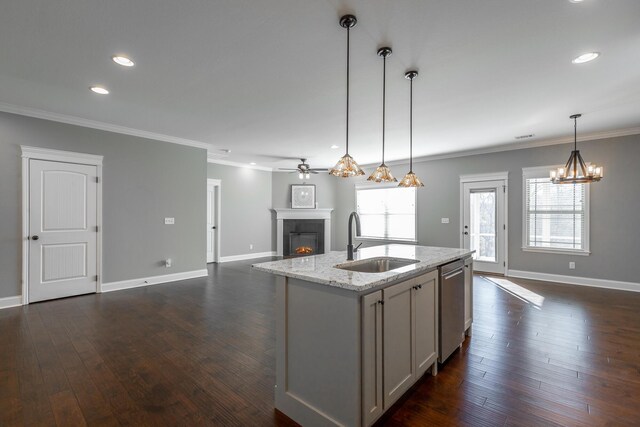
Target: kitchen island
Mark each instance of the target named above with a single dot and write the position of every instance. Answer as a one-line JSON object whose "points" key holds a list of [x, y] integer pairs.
{"points": [[350, 343]]}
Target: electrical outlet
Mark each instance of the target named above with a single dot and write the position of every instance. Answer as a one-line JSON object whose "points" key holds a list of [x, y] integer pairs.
{"points": [[169, 221], [250, 246], [168, 262], [444, 220], [572, 265]]}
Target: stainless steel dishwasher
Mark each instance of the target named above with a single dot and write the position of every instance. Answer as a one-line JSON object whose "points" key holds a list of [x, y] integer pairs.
{"points": [[451, 308]]}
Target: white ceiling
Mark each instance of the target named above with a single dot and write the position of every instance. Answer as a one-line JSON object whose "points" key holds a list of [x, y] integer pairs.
{"points": [[266, 79]]}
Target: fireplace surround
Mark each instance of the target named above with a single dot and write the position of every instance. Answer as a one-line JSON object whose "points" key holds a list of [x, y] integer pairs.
{"points": [[320, 217]]}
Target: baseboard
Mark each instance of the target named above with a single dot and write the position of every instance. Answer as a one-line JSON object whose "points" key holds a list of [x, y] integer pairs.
{"points": [[154, 280], [573, 280], [11, 302], [247, 256]]}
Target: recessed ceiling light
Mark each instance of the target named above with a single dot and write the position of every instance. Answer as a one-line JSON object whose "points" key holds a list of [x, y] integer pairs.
{"points": [[586, 57], [123, 60], [576, 1], [99, 89], [252, 163], [334, 146]]}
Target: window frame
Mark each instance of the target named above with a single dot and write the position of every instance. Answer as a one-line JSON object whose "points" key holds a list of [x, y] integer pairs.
{"points": [[373, 186], [543, 172]]}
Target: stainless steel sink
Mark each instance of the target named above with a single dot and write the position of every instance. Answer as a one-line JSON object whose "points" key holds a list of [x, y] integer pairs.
{"points": [[377, 265]]}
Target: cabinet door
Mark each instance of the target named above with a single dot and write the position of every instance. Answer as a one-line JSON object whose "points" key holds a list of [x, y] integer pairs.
{"points": [[372, 357], [468, 295], [426, 321], [399, 364]]}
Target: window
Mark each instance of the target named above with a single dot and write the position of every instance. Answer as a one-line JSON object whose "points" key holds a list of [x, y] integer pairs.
{"points": [[556, 216], [387, 213]]}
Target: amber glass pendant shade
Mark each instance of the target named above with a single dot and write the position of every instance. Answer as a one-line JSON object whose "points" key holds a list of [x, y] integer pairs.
{"points": [[410, 180], [346, 168], [382, 174]]}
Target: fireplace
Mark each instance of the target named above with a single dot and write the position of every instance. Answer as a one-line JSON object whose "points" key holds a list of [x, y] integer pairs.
{"points": [[302, 237], [310, 230]]}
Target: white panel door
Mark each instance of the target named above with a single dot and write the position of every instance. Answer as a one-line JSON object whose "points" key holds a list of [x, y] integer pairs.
{"points": [[211, 222], [484, 224], [62, 229]]}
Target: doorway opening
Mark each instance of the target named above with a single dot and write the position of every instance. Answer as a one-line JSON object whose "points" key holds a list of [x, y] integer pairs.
{"points": [[483, 220], [214, 190]]}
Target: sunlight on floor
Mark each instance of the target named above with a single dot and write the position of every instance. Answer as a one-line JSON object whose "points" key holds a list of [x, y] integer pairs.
{"points": [[517, 291]]}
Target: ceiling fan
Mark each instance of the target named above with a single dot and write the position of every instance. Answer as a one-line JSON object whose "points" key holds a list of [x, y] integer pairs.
{"points": [[304, 170]]}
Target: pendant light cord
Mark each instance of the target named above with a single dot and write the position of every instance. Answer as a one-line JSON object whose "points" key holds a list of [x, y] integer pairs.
{"points": [[575, 133], [347, 137], [575, 146], [384, 100], [411, 126]]}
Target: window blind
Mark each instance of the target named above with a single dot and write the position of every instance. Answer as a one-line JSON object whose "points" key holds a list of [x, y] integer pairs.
{"points": [[387, 213], [555, 215]]}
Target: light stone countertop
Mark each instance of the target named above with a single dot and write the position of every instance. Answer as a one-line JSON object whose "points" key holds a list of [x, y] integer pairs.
{"points": [[321, 268]]}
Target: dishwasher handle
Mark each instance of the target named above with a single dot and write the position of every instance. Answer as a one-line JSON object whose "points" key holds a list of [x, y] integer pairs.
{"points": [[453, 273]]}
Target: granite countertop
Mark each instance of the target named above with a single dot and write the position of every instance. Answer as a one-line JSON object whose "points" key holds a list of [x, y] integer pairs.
{"points": [[321, 268]]}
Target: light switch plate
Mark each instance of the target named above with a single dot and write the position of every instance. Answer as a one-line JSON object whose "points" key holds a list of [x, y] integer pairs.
{"points": [[169, 221], [445, 220], [572, 265]]}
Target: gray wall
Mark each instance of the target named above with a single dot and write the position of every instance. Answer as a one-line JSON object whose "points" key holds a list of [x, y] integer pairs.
{"points": [[325, 189], [144, 181], [245, 211], [615, 203]]}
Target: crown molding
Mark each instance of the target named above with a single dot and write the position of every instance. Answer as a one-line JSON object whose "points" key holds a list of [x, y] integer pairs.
{"points": [[94, 124], [211, 158], [594, 136]]}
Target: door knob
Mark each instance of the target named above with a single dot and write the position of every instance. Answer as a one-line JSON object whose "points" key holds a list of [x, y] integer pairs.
{"points": [[213, 228], [34, 237], [466, 232]]}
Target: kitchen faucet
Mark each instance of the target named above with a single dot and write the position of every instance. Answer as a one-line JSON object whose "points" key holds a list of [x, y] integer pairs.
{"points": [[350, 248]]}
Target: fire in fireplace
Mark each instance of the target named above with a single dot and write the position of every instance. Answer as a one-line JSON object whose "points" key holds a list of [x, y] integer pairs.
{"points": [[301, 244]]}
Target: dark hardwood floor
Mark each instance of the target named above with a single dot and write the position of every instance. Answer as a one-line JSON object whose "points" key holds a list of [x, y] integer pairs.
{"points": [[201, 352]]}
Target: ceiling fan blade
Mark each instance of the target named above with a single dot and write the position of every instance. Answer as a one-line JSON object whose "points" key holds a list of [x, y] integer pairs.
{"points": [[287, 169]]}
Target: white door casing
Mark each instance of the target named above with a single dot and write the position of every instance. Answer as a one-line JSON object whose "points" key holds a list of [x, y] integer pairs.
{"points": [[61, 224], [491, 190], [213, 220]]}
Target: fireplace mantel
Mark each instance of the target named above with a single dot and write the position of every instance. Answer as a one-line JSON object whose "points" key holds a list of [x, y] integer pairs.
{"points": [[284, 213]]}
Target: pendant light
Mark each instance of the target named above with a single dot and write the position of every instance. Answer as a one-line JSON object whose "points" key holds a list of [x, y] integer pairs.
{"points": [[576, 171], [382, 172], [346, 166], [411, 179]]}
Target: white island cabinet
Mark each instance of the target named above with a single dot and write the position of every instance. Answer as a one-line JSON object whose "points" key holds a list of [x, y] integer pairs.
{"points": [[399, 341], [349, 344]]}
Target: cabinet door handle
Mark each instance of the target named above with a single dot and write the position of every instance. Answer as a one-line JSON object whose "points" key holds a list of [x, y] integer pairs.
{"points": [[381, 302]]}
